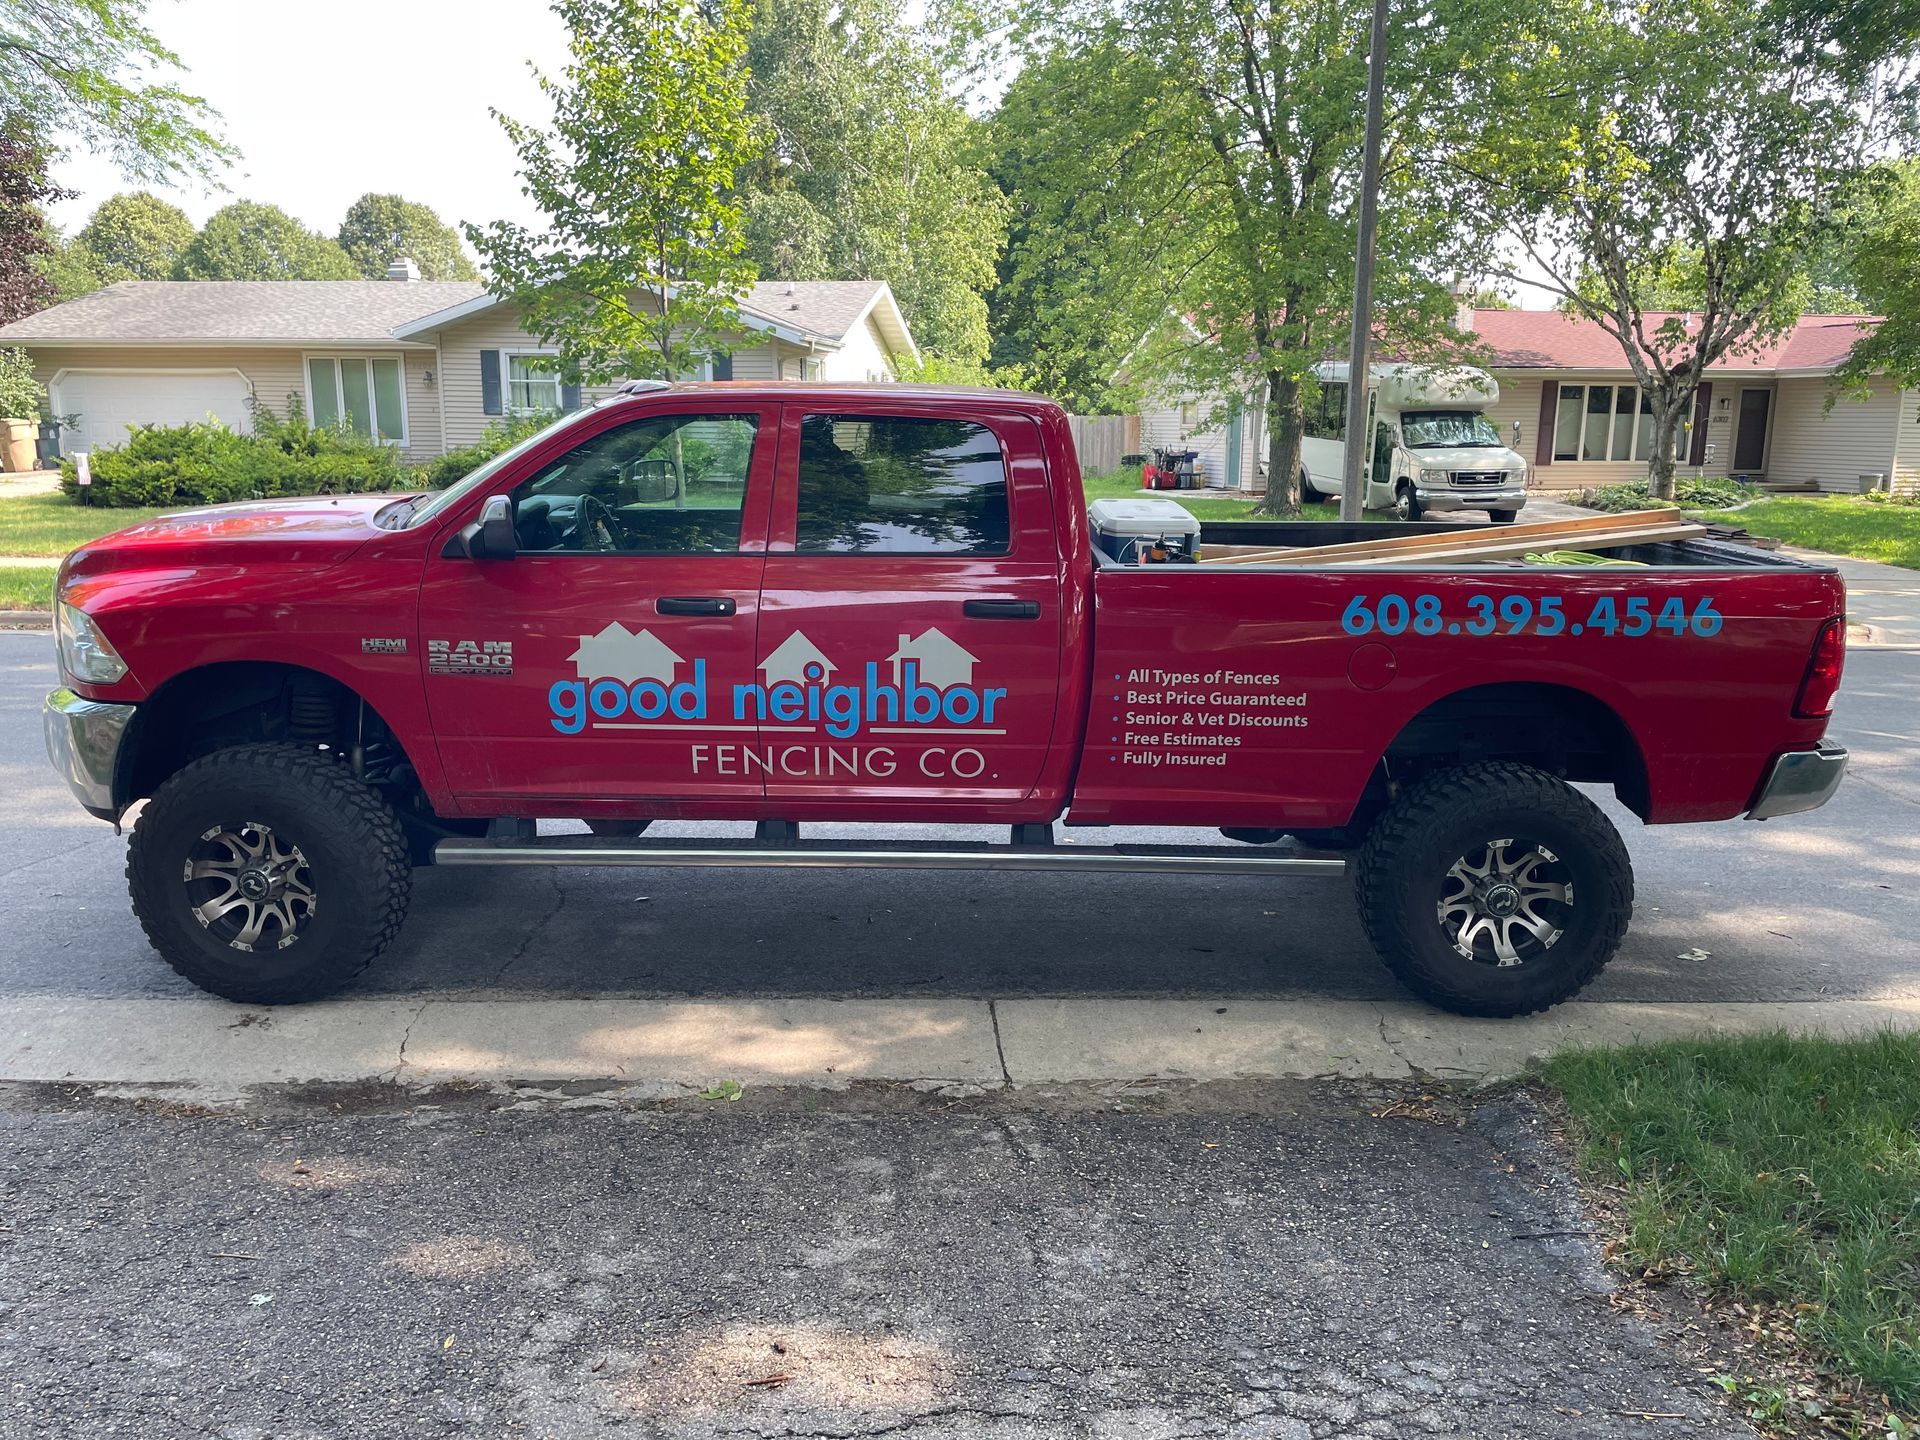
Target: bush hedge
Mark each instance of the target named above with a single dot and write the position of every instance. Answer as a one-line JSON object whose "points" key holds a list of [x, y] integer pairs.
{"points": [[207, 464], [1696, 492]]}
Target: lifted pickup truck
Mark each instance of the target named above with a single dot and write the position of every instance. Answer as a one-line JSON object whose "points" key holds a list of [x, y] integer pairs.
{"points": [[795, 603]]}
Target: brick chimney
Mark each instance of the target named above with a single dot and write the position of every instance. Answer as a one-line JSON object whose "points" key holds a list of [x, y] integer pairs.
{"points": [[1462, 306], [401, 268]]}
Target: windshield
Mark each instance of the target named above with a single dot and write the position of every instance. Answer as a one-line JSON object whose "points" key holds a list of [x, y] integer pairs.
{"points": [[426, 509], [1435, 429]]}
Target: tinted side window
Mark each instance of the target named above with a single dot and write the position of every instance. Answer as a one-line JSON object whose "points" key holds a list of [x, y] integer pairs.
{"points": [[898, 485], [670, 484]]}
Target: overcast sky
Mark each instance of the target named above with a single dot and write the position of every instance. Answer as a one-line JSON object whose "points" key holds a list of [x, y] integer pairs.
{"points": [[328, 103]]}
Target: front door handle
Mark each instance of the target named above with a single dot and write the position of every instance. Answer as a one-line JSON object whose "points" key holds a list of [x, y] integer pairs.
{"points": [[1002, 609], [694, 605]]}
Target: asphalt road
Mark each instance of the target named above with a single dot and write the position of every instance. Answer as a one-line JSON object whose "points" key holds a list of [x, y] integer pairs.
{"points": [[1311, 1271], [1817, 906]]}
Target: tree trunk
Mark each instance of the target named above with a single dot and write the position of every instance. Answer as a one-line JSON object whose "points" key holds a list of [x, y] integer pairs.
{"points": [[1286, 421], [1668, 412]]}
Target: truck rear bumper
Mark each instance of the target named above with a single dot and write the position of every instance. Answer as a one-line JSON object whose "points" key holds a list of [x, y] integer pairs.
{"points": [[1801, 780], [83, 742]]}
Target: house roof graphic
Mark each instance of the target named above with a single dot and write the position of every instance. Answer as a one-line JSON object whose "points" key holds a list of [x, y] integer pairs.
{"points": [[940, 660], [616, 653], [791, 659]]}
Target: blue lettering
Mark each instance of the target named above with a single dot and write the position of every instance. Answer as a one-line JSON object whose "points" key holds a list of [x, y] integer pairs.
{"points": [[648, 698], [608, 698], [745, 695], [689, 697], [988, 701], [785, 700], [878, 693], [843, 711], [568, 701], [922, 701], [960, 705]]}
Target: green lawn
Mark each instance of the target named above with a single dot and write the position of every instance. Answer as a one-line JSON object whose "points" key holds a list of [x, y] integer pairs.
{"points": [[53, 525], [1838, 524], [24, 588], [1783, 1173], [1202, 504]]}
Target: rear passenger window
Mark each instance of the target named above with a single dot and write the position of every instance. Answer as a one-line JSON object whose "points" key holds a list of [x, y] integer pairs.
{"points": [[899, 485]]}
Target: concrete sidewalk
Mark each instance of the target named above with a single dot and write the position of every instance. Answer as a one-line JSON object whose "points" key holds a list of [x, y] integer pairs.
{"points": [[670, 1047], [1884, 597]]}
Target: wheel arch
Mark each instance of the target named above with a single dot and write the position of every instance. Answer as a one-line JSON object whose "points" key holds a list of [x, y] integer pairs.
{"points": [[1564, 730]]}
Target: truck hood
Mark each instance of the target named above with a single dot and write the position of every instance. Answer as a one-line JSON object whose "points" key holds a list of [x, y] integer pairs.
{"points": [[1467, 457], [318, 529]]}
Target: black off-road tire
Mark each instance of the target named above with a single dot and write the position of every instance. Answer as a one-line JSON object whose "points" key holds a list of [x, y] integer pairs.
{"points": [[356, 855], [1401, 872]]}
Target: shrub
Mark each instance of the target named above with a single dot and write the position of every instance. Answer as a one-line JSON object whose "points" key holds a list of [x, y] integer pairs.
{"points": [[1695, 492], [20, 393], [500, 435], [207, 464]]}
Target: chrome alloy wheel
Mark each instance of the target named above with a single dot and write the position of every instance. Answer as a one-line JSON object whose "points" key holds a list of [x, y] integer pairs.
{"points": [[249, 887], [1506, 902]]}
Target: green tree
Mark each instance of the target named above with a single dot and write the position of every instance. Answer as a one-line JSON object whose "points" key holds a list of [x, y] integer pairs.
{"points": [[874, 170], [85, 69], [67, 266], [134, 237], [1223, 137], [25, 243], [379, 229], [250, 241], [1883, 261], [639, 271], [1649, 151]]}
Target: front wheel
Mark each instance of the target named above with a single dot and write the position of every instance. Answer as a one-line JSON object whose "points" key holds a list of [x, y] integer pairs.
{"points": [[1406, 504], [268, 873], [1494, 889]]}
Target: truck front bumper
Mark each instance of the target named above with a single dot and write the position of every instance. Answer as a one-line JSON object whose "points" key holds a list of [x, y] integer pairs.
{"points": [[83, 742], [1800, 780], [1444, 497]]}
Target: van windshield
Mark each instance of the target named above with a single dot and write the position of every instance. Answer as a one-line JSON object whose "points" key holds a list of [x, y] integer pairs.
{"points": [[1436, 429]]}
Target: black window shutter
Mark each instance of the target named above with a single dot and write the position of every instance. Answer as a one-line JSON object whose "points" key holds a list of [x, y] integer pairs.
{"points": [[1549, 412], [569, 396], [723, 367], [1702, 408], [490, 398]]}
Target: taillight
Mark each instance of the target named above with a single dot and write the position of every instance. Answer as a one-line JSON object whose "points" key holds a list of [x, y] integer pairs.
{"points": [[1822, 683]]}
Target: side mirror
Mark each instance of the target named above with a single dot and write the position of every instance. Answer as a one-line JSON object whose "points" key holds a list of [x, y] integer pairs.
{"points": [[491, 537]]}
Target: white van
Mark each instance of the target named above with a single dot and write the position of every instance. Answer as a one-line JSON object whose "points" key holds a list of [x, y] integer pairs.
{"points": [[1433, 446]]}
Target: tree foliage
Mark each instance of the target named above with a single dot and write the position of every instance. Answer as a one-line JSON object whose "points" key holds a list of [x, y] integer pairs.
{"points": [[1649, 151], [25, 246], [86, 69], [874, 170], [1194, 174], [378, 229], [1884, 263], [640, 269], [250, 241], [134, 237]]}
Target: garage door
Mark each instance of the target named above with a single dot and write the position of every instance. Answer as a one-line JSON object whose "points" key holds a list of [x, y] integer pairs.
{"points": [[102, 404]]}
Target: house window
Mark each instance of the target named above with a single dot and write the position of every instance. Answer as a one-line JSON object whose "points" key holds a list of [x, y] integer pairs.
{"points": [[532, 388], [811, 369], [1603, 422], [721, 367], [361, 393]]}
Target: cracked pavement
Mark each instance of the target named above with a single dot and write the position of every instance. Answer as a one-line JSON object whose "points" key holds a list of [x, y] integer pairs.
{"points": [[1288, 1267]]}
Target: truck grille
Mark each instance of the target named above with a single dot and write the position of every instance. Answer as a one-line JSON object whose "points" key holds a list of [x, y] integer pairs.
{"points": [[1479, 477]]}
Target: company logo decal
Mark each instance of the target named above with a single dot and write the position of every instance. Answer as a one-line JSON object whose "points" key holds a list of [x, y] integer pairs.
{"points": [[469, 657], [627, 680]]}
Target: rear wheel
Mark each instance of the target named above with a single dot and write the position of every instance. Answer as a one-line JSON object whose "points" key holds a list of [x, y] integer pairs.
{"points": [[1494, 889], [268, 873]]}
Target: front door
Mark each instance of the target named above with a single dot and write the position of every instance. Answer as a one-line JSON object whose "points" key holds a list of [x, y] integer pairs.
{"points": [[1750, 441], [910, 614], [597, 664]]}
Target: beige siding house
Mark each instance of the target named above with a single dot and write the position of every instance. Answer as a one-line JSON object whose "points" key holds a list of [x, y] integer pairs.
{"points": [[427, 365], [1569, 404]]}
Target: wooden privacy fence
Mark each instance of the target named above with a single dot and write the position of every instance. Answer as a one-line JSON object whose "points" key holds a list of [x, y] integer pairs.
{"points": [[1102, 439]]}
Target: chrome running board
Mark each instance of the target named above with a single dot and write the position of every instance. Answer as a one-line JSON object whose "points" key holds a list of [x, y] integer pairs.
{"points": [[884, 855]]}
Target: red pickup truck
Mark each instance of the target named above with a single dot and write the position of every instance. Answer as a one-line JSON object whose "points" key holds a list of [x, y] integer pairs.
{"points": [[792, 603]]}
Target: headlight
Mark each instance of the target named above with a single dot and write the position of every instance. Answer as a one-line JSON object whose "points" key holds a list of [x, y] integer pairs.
{"points": [[1433, 477], [84, 651]]}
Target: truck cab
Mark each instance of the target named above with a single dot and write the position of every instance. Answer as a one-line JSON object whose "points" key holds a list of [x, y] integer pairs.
{"points": [[1433, 447]]}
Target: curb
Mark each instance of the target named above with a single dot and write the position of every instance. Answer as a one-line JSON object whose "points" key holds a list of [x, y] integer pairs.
{"points": [[26, 619]]}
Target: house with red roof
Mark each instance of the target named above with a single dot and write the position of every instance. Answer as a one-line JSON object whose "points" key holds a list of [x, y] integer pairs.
{"points": [[1570, 405]]}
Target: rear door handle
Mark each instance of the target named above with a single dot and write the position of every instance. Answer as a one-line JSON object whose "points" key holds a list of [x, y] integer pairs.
{"points": [[694, 605], [1002, 609]]}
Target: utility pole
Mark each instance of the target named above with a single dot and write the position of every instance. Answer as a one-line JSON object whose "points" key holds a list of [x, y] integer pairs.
{"points": [[1353, 486]]}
